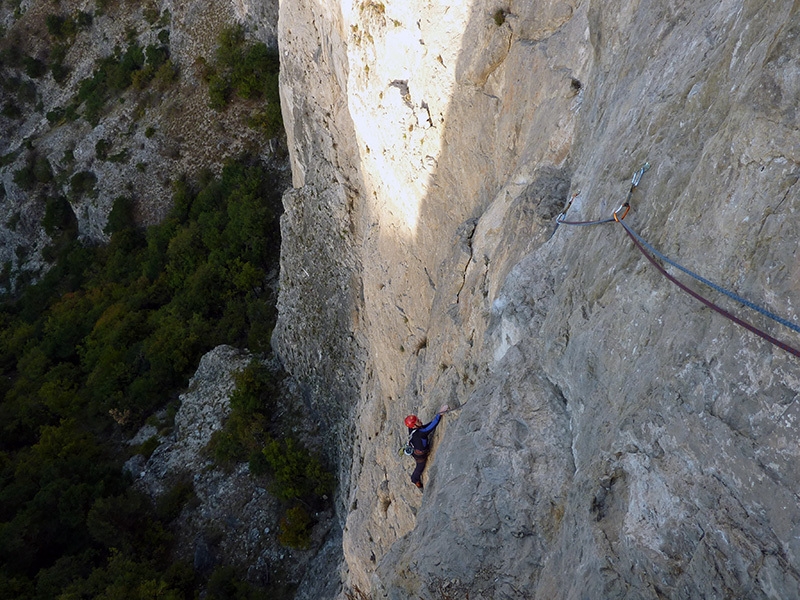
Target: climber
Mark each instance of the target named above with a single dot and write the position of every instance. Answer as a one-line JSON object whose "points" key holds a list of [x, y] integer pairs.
{"points": [[418, 439]]}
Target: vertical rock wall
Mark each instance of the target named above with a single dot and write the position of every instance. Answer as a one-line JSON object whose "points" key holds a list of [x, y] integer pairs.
{"points": [[614, 437]]}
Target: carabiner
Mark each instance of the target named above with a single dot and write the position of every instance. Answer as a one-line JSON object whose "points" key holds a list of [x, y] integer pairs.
{"points": [[637, 177], [627, 208], [563, 214]]}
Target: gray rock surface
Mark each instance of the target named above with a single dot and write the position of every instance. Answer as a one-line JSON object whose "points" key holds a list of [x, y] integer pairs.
{"points": [[204, 407], [615, 438], [231, 517]]}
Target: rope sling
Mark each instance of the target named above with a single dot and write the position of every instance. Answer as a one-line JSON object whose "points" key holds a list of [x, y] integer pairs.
{"points": [[650, 253]]}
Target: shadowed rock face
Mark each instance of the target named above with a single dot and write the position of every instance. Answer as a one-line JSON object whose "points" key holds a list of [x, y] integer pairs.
{"points": [[614, 437]]}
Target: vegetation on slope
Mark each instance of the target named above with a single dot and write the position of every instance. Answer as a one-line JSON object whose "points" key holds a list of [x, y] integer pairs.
{"points": [[248, 71], [254, 433], [110, 334], [89, 352]]}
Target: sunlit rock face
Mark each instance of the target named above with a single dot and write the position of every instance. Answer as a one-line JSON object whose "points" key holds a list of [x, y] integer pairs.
{"points": [[613, 437]]}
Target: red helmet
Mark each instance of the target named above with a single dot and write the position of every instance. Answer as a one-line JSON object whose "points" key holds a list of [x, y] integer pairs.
{"points": [[411, 421]]}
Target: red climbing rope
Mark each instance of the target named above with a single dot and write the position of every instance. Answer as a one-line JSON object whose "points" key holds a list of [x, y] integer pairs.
{"points": [[707, 302], [650, 253]]}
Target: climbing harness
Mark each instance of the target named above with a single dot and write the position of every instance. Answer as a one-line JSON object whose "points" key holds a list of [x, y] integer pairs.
{"points": [[650, 253]]}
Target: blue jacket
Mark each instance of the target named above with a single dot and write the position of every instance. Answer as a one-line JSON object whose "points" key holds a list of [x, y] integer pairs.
{"points": [[419, 435]]}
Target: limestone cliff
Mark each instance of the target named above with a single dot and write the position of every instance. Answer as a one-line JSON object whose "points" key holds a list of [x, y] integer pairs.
{"points": [[614, 437]]}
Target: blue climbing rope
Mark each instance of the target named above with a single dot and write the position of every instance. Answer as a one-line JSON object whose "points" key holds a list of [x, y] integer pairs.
{"points": [[650, 252], [711, 284]]}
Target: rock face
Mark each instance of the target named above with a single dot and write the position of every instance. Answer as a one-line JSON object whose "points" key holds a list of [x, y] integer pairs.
{"points": [[231, 517], [204, 408], [614, 437]]}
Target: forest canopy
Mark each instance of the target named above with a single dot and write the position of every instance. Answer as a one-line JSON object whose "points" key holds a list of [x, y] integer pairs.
{"points": [[105, 338]]}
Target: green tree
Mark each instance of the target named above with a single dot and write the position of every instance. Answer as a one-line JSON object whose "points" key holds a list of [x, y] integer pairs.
{"points": [[82, 183], [97, 344], [294, 528], [248, 71], [297, 474]]}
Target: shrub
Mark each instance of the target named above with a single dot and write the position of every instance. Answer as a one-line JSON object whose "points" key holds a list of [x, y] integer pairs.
{"points": [[58, 215], [11, 110], [82, 183], [296, 473], [69, 155], [56, 116], [226, 583], [7, 159], [34, 68], [14, 220], [37, 171], [102, 5], [156, 55], [58, 69], [5, 277], [268, 121], [25, 178], [219, 92], [115, 74], [12, 55], [151, 14], [120, 157], [256, 389], [26, 92], [101, 149], [42, 171], [149, 446], [115, 521], [60, 26], [253, 404], [294, 528], [64, 27], [121, 215], [249, 71], [83, 19], [120, 69], [140, 79], [166, 75], [170, 505]]}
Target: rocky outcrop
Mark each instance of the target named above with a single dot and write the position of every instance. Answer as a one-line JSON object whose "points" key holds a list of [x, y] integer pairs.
{"points": [[228, 516], [204, 408], [614, 438]]}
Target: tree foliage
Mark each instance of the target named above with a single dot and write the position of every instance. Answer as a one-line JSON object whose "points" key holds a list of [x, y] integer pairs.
{"points": [[133, 66], [248, 71], [106, 337], [256, 431]]}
